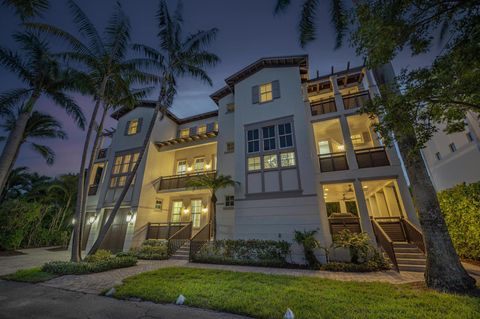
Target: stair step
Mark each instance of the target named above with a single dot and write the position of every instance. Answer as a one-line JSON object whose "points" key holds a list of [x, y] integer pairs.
{"points": [[406, 250], [414, 268], [410, 255], [403, 244], [179, 257], [410, 261]]}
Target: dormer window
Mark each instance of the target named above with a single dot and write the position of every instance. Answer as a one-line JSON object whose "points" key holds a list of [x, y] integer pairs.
{"points": [[202, 129], [133, 127], [266, 92]]}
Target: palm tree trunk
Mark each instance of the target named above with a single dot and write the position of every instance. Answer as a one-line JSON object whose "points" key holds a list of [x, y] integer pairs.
{"points": [[444, 272], [214, 216], [14, 141]]}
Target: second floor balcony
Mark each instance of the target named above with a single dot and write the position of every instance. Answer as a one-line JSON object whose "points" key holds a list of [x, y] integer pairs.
{"points": [[175, 182], [350, 101]]}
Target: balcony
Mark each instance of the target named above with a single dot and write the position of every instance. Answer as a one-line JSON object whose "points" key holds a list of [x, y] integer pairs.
{"points": [[333, 162], [179, 181], [372, 157], [323, 107], [355, 100], [102, 153], [339, 224]]}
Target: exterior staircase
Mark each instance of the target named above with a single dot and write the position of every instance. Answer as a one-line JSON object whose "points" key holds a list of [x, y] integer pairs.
{"points": [[182, 253], [409, 257]]}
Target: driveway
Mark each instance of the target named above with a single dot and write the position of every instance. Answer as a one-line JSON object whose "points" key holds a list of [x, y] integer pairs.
{"points": [[20, 300], [33, 257]]}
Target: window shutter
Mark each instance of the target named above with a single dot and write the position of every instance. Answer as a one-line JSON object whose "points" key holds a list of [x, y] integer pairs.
{"points": [[140, 122], [210, 127], [193, 131], [276, 89], [255, 94], [178, 133], [126, 128]]}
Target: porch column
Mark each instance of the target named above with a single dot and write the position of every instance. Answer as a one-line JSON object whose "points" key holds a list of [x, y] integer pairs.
{"points": [[406, 200], [326, 236], [365, 222], [336, 93], [347, 141]]}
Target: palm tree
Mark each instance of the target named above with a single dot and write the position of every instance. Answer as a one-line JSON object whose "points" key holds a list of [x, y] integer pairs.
{"points": [[27, 8], [64, 187], [177, 56], [213, 183], [444, 270], [106, 60], [43, 75], [18, 182]]}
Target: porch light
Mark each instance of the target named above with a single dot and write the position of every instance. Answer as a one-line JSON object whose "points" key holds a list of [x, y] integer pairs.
{"points": [[189, 168], [207, 166], [91, 219], [365, 187], [205, 209], [185, 210], [73, 221], [341, 147], [131, 215]]}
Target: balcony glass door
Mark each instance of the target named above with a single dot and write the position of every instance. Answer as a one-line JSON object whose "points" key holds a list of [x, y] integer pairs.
{"points": [[196, 212], [176, 211]]}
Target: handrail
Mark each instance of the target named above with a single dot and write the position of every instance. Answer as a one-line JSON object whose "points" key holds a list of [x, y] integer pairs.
{"points": [[385, 242], [355, 100], [162, 230], [199, 239], [370, 149], [323, 106], [414, 235], [365, 157], [188, 174], [179, 238], [331, 161], [361, 93], [180, 181]]}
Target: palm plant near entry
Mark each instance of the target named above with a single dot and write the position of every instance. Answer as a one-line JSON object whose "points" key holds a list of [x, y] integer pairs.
{"points": [[178, 56], [213, 183], [18, 182], [44, 76], [105, 58]]}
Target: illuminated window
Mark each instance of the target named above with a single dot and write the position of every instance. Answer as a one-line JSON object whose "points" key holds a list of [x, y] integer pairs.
{"points": [[199, 164], [270, 161], [215, 126], [202, 129], [357, 139], [266, 92], [254, 163], [196, 212], [287, 159], [176, 211], [123, 165], [181, 167], [158, 204], [253, 141], [185, 132], [133, 126]]}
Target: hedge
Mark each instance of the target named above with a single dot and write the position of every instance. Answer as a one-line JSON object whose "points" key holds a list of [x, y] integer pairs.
{"points": [[461, 208], [79, 268], [152, 249]]}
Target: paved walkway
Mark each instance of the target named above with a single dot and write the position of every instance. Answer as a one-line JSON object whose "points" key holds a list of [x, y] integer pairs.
{"points": [[32, 257]]}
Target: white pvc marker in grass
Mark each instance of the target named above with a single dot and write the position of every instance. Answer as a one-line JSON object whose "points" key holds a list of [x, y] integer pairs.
{"points": [[289, 314], [180, 300]]}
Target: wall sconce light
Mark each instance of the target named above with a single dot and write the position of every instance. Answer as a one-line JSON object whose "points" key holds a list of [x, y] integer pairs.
{"points": [[131, 215], [189, 168], [341, 147], [205, 209], [185, 210], [207, 166], [91, 219], [73, 221]]}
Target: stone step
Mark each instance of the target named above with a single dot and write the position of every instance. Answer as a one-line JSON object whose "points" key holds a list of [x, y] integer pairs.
{"points": [[410, 261], [399, 244], [414, 268], [181, 254], [406, 250], [417, 255], [175, 257]]}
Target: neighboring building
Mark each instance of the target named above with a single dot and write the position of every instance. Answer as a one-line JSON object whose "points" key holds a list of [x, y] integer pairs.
{"points": [[303, 156], [454, 158]]}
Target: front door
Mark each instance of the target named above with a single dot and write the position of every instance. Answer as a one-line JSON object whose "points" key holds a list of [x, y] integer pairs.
{"points": [[176, 211], [115, 237]]}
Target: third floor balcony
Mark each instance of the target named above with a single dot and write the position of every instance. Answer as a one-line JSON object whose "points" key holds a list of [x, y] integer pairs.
{"points": [[180, 181], [328, 105]]}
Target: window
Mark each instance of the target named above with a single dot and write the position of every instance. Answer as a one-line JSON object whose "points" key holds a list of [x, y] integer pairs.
{"points": [[230, 147], [270, 161], [254, 163], [324, 147], [268, 138], [196, 212], [176, 211], [199, 164], [185, 132], [229, 201], [452, 147], [133, 127], [158, 204], [438, 156], [215, 126], [469, 136], [230, 107], [253, 141], [266, 92], [202, 129], [181, 167], [123, 165], [285, 135], [287, 159]]}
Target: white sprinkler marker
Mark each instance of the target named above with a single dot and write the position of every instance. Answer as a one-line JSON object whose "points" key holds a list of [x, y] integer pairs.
{"points": [[289, 314], [180, 300]]}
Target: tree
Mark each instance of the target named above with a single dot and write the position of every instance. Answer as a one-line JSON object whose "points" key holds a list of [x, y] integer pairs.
{"points": [[410, 109], [213, 183], [177, 56], [27, 8], [17, 183], [43, 75], [105, 59]]}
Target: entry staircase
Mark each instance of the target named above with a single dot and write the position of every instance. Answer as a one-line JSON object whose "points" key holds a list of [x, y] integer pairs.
{"points": [[402, 242]]}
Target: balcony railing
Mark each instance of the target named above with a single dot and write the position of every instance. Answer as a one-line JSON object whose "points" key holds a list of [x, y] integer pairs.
{"points": [[323, 107], [372, 157], [163, 230], [355, 100], [102, 153], [180, 181], [337, 224], [333, 162], [92, 190]]}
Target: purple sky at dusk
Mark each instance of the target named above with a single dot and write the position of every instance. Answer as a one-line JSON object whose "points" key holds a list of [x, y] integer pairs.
{"points": [[248, 31]]}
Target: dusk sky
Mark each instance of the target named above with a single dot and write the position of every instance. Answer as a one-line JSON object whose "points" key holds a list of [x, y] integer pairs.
{"points": [[248, 31]]}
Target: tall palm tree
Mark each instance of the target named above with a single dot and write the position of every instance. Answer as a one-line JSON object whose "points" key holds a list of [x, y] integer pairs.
{"points": [[178, 56], [18, 182], [64, 187], [444, 270], [105, 57], [27, 8], [44, 76], [213, 183]]}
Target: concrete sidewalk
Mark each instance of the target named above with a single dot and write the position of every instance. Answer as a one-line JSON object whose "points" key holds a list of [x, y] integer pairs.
{"points": [[32, 257]]}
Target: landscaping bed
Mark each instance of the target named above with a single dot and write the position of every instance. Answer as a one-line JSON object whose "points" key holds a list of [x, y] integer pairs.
{"points": [[32, 275], [269, 296]]}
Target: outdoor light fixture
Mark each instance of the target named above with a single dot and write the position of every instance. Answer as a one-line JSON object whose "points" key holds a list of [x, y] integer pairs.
{"points": [[73, 221], [189, 168], [91, 219], [185, 210], [131, 215], [365, 186], [341, 147], [205, 209], [207, 166]]}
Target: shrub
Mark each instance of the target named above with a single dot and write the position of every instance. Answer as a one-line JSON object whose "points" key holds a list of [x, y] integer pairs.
{"points": [[358, 245], [152, 249], [100, 255], [32, 275], [461, 208], [309, 243], [15, 219], [79, 268]]}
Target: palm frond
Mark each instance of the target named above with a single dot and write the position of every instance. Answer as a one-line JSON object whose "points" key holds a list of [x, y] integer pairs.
{"points": [[87, 28], [27, 8], [70, 106], [339, 21], [307, 22], [117, 33], [199, 39], [12, 98], [14, 63], [281, 6], [46, 152], [41, 125]]}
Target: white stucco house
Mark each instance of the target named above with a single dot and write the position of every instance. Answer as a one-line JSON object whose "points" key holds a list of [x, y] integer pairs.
{"points": [[303, 156]]}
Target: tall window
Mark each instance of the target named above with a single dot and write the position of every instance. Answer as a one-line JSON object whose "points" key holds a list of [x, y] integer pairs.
{"points": [[199, 164], [176, 211], [287, 159], [133, 126], [202, 129], [254, 163], [185, 132], [181, 167], [253, 141], [196, 212], [452, 147], [266, 92], [270, 161], [122, 167], [285, 135], [268, 138]]}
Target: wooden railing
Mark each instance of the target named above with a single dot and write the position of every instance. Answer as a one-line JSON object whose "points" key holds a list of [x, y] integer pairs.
{"points": [[323, 107], [372, 157], [337, 224], [179, 181], [414, 235], [199, 240], [92, 190], [179, 238], [355, 100], [333, 162], [102, 153], [163, 230], [385, 242]]}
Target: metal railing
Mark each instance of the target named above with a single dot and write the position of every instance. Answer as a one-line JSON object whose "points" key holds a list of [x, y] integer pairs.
{"points": [[333, 162], [355, 100], [199, 240], [337, 224], [92, 190], [163, 230], [179, 238], [180, 181], [323, 107], [102, 153], [385, 242], [414, 235], [372, 157]]}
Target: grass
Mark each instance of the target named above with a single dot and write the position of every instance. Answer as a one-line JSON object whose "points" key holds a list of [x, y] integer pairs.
{"points": [[268, 296], [32, 275]]}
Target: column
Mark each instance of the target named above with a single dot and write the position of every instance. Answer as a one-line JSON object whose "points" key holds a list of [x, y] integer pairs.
{"points": [[365, 222], [336, 93], [352, 161]]}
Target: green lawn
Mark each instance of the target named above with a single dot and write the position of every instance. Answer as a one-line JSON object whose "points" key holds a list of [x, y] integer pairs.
{"points": [[268, 296], [31, 275]]}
